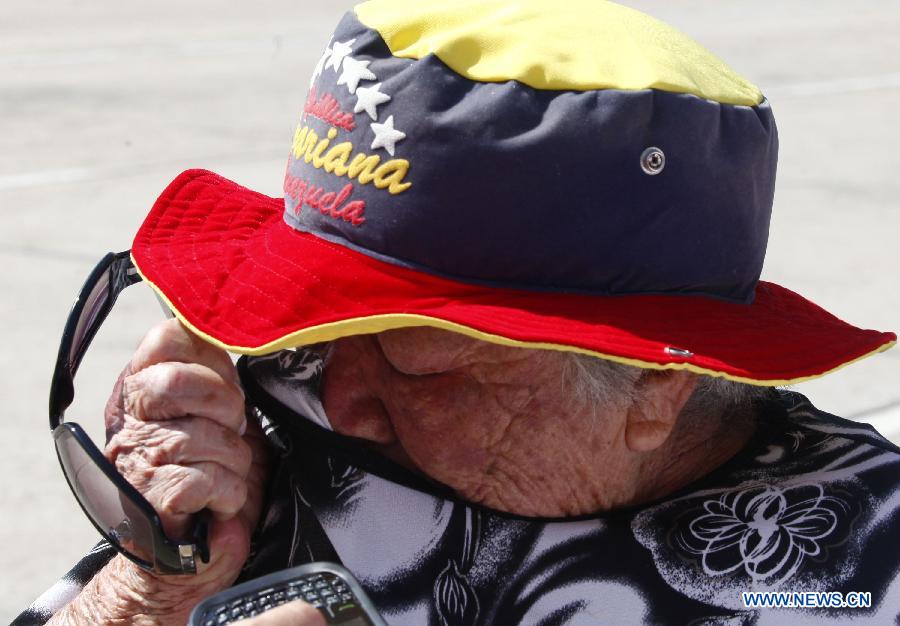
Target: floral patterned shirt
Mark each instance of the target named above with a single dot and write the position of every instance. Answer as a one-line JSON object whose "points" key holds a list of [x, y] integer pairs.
{"points": [[810, 505]]}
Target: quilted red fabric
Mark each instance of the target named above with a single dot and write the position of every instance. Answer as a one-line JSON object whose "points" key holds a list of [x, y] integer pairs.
{"points": [[225, 259]]}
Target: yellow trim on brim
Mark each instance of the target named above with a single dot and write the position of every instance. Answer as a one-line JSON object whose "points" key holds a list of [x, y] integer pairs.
{"points": [[573, 45], [380, 323]]}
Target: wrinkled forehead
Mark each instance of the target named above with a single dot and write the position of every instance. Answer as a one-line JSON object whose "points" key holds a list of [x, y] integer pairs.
{"points": [[424, 350]]}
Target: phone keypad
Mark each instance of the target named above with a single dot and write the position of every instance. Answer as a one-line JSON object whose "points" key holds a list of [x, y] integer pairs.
{"points": [[326, 591]]}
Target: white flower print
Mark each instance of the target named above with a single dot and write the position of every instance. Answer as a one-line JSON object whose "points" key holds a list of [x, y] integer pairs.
{"points": [[294, 366], [766, 530], [797, 436]]}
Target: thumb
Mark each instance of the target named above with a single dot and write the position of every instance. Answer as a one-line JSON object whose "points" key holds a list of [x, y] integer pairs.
{"points": [[229, 546]]}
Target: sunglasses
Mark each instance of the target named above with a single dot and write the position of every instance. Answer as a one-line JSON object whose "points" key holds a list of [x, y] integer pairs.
{"points": [[122, 515]]}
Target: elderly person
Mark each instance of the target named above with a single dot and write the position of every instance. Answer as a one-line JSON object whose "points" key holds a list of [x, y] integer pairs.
{"points": [[510, 360]]}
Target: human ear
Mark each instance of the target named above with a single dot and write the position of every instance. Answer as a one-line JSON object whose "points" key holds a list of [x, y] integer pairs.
{"points": [[659, 398]]}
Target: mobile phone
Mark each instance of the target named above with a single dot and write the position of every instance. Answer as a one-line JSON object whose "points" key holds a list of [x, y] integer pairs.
{"points": [[327, 586]]}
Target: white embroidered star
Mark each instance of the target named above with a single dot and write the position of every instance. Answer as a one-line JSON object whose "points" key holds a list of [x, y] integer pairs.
{"points": [[386, 136], [355, 71], [339, 50], [368, 99], [320, 66]]}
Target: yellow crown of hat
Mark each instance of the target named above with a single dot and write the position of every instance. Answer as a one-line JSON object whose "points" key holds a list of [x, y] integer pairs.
{"points": [[576, 45]]}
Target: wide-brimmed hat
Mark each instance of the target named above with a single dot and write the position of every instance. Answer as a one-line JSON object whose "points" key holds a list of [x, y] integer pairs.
{"points": [[572, 176]]}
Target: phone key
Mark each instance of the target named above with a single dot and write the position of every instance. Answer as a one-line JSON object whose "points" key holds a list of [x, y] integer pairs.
{"points": [[343, 607], [236, 613]]}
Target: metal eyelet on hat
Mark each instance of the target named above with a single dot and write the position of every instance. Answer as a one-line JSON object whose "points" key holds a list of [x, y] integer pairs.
{"points": [[679, 352], [653, 161]]}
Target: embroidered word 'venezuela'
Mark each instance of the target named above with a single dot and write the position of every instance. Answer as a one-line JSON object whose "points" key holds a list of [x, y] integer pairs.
{"points": [[327, 203], [327, 109], [390, 175]]}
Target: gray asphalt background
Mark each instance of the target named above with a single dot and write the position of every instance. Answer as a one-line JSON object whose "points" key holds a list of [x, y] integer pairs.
{"points": [[103, 102]]}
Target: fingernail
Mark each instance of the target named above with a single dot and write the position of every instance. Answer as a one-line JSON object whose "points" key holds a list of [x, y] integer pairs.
{"points": [[243, 428]]}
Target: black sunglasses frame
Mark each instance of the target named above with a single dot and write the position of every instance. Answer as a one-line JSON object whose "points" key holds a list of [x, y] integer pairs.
{"points": [[170, 557]]}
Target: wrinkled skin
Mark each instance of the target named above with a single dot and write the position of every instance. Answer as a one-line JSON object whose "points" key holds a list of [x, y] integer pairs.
{"points": [[177, 431], [495, 423], [490, 421]]}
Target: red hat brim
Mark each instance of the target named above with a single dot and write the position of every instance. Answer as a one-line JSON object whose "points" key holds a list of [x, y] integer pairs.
{"points": [[235, 273]]}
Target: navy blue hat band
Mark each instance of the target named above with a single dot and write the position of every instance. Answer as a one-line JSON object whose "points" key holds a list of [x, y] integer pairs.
{"points": [[516, 177]]}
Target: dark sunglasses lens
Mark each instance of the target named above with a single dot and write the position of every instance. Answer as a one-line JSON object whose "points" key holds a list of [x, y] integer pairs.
{"points": [[94, 304], [111, 510]]}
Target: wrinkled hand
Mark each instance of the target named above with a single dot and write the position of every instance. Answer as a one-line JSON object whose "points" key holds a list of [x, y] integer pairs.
{"points": [[295, 613], [177, 431]]}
